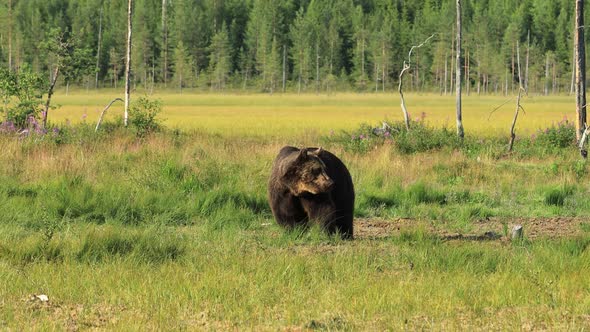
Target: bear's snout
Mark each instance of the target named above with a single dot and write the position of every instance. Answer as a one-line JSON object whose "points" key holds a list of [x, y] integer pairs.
{"points": [[327, 183]]}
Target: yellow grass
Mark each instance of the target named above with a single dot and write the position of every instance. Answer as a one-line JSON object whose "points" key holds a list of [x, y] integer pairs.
{"points": [[291, 114]]}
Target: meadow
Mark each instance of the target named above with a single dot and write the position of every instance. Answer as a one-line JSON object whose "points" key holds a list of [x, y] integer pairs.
{"points": [[171, 231]]}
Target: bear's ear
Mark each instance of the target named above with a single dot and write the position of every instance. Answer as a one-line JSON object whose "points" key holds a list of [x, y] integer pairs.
{"points": [[302, 154]]}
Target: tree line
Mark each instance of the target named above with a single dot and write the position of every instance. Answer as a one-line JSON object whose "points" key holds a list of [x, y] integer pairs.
{"points": [[297, 45]]}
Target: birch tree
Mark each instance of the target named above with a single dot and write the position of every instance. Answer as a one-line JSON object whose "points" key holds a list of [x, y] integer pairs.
{"points": [[460, 131], [580, 86], [128, 62]]}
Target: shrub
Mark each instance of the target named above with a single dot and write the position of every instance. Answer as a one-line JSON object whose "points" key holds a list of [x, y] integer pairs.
{"points": [[420, 138], [557, 196], [142, 116]]}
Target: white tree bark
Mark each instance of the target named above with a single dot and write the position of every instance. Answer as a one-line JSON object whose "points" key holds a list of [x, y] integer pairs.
{"points": [[9, 34], [460, 130], [128, 62]]}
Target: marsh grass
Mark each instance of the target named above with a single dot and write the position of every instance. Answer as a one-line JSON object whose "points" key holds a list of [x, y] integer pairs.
{"points": [[171, 231]]}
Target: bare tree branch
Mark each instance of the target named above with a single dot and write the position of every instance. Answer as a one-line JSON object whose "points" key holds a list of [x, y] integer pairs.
{"points": [[498, 107]]}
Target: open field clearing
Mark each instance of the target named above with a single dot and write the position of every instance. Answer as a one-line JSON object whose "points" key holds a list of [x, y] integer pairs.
{"points": [[291, 114], [172, 231]]}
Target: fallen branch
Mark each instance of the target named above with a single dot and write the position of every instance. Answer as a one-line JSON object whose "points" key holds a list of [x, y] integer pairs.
{"points": [[406, 67], [498, 107], [104, 111]]}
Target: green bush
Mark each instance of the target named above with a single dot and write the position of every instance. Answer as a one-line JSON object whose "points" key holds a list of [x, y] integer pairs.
{"points": [[557, 196], [143, 116], [21, 94], [420, 138], [561, 135]]}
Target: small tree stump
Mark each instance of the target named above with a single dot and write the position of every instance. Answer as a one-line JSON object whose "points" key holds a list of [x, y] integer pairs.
{"points": [[517, 232]]}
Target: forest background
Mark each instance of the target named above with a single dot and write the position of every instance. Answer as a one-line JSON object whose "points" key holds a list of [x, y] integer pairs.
{"points": [[298, 45]]}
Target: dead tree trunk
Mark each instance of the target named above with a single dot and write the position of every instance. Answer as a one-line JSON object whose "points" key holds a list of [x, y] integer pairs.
{"points": [[467, 73], [407, 66], [460, 130], [526, 68], [512, 76], [451, 86], [446, 73], [128, 62], [9, 34], [104, 111], [49, 94], [518, 106], [580, 51]]}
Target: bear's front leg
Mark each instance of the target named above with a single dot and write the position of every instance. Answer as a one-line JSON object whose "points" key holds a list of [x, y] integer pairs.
{"points": [[288, 210], [320, 209]]}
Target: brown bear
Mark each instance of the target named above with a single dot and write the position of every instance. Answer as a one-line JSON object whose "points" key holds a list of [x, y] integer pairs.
{"points": [[311, 185]]}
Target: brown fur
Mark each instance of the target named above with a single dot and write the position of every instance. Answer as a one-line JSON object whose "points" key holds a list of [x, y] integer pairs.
{"points": [[311, 185]]}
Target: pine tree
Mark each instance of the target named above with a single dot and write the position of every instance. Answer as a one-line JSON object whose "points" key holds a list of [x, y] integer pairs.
{"points": [[219, 59], [182, 66], [361, 35]]}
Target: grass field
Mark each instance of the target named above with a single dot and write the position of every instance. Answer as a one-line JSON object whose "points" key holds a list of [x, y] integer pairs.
{"points": [[292, 115], [172, 231]]}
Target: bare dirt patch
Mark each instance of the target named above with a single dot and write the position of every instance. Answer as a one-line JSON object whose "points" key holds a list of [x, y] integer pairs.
{"points": [[74, 317], [487, 229]]}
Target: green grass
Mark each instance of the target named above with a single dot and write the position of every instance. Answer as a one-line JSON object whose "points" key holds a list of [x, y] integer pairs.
{"points": [[241, 279], [172, 231]]}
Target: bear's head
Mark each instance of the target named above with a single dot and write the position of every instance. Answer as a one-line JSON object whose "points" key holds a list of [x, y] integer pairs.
{"points": [[306, 173]]}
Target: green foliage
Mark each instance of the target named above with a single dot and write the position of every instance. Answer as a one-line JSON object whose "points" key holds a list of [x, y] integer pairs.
{"points": [[358, 43], [143, 114]]}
